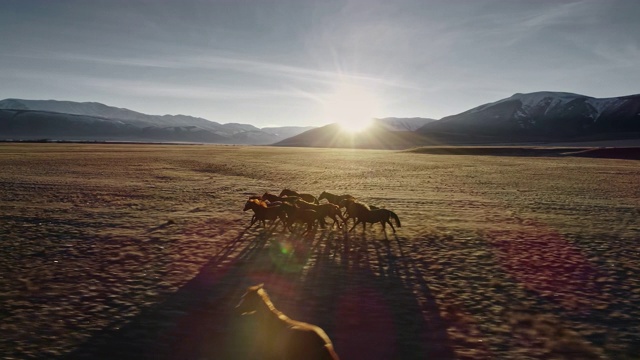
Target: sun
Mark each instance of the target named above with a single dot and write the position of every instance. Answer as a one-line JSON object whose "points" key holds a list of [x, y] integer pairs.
{"points": [[351, 106]]}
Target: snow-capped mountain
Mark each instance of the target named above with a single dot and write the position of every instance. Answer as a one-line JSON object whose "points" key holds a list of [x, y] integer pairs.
{"points": [[544, 114], [24, 119]]}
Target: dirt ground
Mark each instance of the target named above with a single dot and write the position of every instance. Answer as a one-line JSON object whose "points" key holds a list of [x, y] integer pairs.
{"points": [[122, 251]]}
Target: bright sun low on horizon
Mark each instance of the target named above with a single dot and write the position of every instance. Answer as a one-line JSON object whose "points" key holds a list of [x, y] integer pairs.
{"points": [[352, 107]]}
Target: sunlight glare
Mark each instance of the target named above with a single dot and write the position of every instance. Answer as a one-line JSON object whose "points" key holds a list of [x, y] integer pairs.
{"points": [[353, 107]]}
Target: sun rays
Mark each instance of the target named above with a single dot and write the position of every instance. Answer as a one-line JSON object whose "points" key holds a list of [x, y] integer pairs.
{"points": [[351, 106]]}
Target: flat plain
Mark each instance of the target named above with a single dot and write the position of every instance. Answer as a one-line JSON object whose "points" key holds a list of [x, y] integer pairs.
{"points": [[122, 251]]}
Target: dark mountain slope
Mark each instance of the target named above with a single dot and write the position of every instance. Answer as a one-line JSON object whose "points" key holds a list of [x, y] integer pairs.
{"points": [[27, 124], [548, 116], [375, 137]]}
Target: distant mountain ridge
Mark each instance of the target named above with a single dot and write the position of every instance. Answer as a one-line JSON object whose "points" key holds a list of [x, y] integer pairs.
{"points": [[545, 115], [377, 136], [522, 118], [27, 118], [403, 124]]}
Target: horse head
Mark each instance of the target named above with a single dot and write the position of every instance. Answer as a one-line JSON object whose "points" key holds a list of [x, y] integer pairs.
{"points": [[253, 202]]}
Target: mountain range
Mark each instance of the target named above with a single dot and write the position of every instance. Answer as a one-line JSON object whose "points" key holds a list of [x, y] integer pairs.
{"points": [[534, 117], [522, 118], [68, 120], [545, 116]]}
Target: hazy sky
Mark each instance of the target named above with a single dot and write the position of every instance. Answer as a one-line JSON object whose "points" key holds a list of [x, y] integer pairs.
{"points": [[268, 62]]}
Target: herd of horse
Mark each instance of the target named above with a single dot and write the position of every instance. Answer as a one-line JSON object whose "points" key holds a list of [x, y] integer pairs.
{"points": [[280, 337], [292, 208]]}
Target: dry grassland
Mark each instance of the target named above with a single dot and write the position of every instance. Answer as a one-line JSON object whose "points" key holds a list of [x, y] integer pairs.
{"points": [[114, 251]]}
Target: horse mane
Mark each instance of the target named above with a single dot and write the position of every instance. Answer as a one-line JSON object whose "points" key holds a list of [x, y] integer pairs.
{"points": [[267, 301], [358, 204], [304, 202], [259, 202], [362, 205]]}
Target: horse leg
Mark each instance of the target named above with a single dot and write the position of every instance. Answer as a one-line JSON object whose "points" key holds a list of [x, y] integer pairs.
{"points": [[354, 225], [343, 220], [384, 228], [335, 221], [389, 221], [290, 224]]}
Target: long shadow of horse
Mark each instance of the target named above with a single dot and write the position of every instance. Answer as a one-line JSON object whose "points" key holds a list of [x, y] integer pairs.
{"points": [[198, 313], [381, 306], [363, 293]]}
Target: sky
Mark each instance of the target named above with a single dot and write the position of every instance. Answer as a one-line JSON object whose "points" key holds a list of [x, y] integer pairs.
{"points": [[299, 62]]}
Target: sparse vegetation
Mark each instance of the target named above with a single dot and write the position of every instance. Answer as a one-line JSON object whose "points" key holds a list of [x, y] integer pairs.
{"points": [[142, 250]]}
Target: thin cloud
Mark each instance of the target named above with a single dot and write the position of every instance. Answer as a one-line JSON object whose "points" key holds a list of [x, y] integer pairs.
{"points": [[559, 14], [152, 89], [171, 90], [216, 62]]}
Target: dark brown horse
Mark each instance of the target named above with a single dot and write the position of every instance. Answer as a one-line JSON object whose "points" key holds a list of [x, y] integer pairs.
{"points": [[363, 214], [273, 198], [306, 197], [350, 210], [335, 199], [296, 215], [325, 210], [262, 212], [280, 337], [268, 203]]}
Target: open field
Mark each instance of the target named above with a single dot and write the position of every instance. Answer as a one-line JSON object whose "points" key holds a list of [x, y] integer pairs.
{"points": [[113, 251]]}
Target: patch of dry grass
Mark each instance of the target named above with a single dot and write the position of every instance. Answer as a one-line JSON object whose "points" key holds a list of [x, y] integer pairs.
{"points": [[126, 250]]}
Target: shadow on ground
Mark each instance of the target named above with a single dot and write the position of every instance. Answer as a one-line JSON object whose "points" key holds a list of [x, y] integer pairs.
{"points": [[369, 296]]}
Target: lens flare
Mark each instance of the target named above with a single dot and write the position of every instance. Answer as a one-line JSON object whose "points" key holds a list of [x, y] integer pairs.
{"points": [[289, 255], [351, 106]]}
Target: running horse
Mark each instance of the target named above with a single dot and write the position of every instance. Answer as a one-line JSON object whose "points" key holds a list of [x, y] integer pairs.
{"points": [[283, 337], [263, 212], [335, 199], [306, 197], [325, 210], [275, 198], [364, 214], [302, 216]]}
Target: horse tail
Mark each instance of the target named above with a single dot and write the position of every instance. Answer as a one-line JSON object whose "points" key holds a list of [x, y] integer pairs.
{"points": [[393, 215]]}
